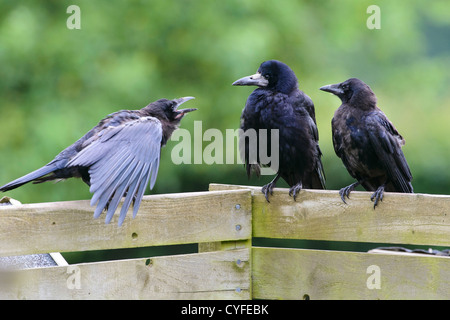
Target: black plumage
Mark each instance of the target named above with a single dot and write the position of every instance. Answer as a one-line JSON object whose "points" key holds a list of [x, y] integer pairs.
{"points": [[279, 104], [367, 142], [117, 158]]}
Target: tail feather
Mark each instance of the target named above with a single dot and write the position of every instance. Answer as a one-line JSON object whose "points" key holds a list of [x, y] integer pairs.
{"points": [[317, 180], [319, 177], [28, 177], [314, 179], [253, 168]]}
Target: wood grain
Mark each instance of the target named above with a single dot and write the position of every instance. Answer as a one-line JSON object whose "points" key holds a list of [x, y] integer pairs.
{"points": [[162, 220], [320, 274], [215, 275], [419, 219]]}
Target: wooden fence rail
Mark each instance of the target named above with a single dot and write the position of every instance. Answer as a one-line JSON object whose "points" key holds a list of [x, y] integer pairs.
{"points": [[162, 220], [418, 219], [223, 221]]}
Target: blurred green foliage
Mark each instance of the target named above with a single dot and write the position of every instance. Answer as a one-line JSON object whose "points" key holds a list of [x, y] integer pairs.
{"points": [[56, 83]]}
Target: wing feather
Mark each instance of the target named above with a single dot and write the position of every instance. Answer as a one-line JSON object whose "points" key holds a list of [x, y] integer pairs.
{"points": [[385, 141], [132, 188], [121, 162], [143, 181]]}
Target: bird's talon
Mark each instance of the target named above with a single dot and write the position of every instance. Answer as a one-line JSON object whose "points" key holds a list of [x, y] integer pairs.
{"points": [[268, 189], [294, 191], [377, 196], [342, 194], [345, 192]]}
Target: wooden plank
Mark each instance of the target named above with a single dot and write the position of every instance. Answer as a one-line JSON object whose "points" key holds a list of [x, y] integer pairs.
{"points": [[215, 275], [162, 220], [319, 274], [420, 219], [224, 245]]}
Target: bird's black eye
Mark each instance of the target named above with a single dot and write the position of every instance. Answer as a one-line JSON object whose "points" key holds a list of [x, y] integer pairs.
{"points": [[267, 76]]}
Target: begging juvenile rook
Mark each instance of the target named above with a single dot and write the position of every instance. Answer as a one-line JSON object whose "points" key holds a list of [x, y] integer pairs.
{"points": [[116, 158], [367, 142], [278, 103]]}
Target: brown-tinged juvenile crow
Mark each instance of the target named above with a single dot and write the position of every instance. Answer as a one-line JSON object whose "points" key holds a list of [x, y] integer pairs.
{"points": [[278, 103], [117, 158], [367, 142]]}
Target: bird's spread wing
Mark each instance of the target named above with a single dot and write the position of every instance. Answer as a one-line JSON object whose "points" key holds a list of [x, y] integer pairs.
{"points": [[386, 142], [121, 161]]}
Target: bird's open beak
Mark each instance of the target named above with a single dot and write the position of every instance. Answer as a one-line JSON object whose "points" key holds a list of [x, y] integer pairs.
{"points": [[182, 112], [333, 88], [253, 80]]}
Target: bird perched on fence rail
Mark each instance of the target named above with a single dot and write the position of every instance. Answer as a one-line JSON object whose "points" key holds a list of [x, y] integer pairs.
{"points": [[367, 142], [279, 104], [117, 158]]}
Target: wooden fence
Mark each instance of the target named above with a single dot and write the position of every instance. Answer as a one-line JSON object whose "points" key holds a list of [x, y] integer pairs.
{"points": [[224, 221]]}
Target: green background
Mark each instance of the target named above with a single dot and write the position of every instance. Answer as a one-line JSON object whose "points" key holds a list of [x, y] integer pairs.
{"points": [[56, 83]]}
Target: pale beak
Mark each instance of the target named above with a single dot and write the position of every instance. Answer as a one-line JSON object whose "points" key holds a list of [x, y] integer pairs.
{"points": [[256, 79]]}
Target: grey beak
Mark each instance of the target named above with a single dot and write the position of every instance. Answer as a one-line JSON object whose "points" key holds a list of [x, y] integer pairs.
{"points": [[182, 100], [253, 80], [182, 112], [333, 88]]}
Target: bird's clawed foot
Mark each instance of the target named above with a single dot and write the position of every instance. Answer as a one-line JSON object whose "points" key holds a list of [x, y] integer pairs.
{"points": [[345, 192], [268, 189], [377, 196], [294, 190]]}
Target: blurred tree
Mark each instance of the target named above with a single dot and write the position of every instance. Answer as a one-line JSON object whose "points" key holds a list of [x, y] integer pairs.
{"points": [[58, 83]]}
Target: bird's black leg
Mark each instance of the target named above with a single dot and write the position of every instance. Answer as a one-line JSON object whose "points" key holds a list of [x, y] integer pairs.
{"points": [[345, 192], [294, 190], [268, 188], [378, 195]]}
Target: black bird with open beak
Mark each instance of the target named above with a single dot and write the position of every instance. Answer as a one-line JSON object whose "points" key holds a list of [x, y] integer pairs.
{"points": [[367, 142], [117, 158], [279, 104]]}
